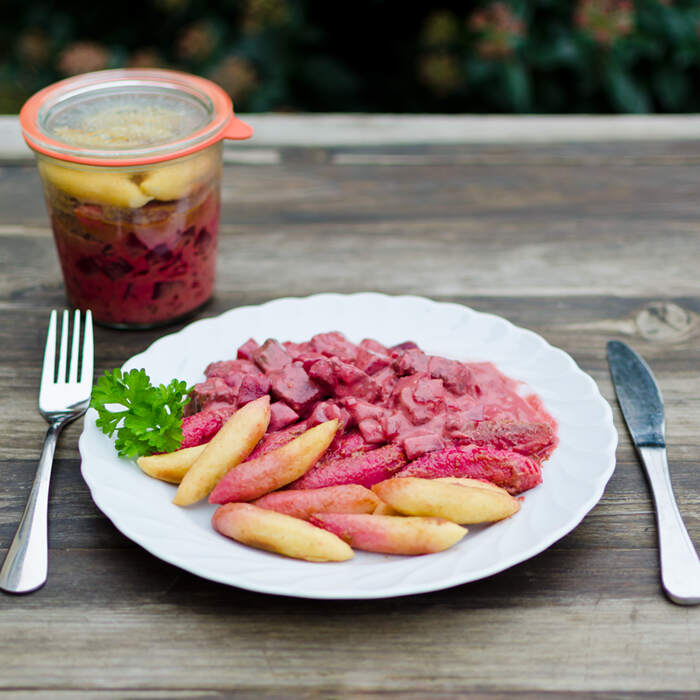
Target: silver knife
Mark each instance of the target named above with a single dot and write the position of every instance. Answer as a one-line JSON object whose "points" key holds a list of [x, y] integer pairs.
{"points": [[643, 408]]}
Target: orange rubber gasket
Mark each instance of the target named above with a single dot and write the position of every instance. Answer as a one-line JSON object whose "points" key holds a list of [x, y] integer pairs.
{"points": [[224, 123]]}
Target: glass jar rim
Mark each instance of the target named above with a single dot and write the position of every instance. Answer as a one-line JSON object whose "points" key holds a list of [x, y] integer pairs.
{"points": [[222, 122]]}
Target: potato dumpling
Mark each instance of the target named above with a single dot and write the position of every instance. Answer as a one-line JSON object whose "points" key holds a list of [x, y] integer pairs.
{"points": [[98, 186], [279, 533], [179, 178], [461, 500]]}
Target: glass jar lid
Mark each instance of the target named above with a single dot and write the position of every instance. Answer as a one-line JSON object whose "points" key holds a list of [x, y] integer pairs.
{"points": [[129, 117]]}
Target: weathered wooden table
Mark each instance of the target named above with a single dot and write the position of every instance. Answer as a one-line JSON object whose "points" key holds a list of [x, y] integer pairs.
{"points": [[581, 241]]}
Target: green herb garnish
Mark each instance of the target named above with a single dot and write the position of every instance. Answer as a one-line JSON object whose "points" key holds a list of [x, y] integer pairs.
{"points": [[146, 418]]}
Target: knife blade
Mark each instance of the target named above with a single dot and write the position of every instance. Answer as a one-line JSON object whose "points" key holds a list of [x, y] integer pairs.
{"points": [[638, 394], [642, 406]]}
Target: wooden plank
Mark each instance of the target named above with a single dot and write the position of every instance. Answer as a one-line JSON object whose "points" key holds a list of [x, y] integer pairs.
{"points": [[314, 130], [612, 645]]}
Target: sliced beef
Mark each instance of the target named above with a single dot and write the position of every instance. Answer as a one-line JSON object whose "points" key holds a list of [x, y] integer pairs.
{"points": [[527, 438], [279, 438], [510, 470], [201, 427], [345, 445], [365, 469]]}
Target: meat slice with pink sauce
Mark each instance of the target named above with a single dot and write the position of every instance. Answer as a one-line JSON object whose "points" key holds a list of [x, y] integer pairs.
{"points": [[509, 470]]}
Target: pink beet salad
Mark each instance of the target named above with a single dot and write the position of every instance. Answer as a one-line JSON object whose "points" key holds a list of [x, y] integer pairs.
{"points": [[401, 411]]}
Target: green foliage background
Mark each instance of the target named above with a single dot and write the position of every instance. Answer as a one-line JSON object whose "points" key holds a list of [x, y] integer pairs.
{"points": [[539, 56]]}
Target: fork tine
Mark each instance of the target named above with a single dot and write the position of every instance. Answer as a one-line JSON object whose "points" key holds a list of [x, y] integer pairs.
{"points": [[63, 354], [47, 372], [88, 350], [75, 349]]}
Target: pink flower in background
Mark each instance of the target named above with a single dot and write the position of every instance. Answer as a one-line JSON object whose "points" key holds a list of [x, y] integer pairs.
{"points": [[145, 58], [197, 42], [33, 47], [605, 20], [258, 14], [83, 57], [499, 30], [236, 75]]}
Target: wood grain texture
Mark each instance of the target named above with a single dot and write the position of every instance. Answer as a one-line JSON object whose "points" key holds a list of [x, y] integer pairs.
{"points": [[579, 243]]}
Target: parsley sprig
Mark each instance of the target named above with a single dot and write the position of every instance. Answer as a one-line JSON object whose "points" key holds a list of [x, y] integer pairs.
{"points": [[147, 419]]}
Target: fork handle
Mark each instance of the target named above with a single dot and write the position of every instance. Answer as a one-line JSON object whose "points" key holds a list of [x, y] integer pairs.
{"points": [[680, 566], [26, 565]]}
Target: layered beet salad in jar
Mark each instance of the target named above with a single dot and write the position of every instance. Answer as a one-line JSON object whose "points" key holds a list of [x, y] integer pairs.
{"points": [[130, 161]]}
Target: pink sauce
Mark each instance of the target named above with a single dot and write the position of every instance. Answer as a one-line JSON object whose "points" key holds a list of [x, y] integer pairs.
{"points": [[425, 405]]}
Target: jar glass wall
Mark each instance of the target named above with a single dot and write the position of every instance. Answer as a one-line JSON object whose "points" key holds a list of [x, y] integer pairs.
{"points": [[137, 245]]}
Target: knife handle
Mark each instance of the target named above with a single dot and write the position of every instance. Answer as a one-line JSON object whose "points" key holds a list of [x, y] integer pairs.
{"points": [[680, 566]]}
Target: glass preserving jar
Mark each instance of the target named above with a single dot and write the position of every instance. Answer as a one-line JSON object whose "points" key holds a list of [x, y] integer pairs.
{"points": [[130, 161]]}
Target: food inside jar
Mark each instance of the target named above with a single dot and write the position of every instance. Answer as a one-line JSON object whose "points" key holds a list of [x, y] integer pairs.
{"points": [[137, 247]]}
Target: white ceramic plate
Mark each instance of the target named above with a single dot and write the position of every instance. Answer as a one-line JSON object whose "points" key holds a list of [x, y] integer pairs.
{"points": [[573, 478]]}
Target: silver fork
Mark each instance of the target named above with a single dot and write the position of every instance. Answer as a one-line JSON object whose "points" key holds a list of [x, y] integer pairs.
{"points": [[61, 400]]}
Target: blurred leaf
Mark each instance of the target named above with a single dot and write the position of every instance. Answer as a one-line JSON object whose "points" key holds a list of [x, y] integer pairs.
{"points": [[518, 87], [671, 87], [625, 94]]}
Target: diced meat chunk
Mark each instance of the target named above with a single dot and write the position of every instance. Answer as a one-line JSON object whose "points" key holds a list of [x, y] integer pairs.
{"points": [[509, 470], [321, 371], [271, 356], [415, 445], [252, 387], [281, 416], [227, 367], [370, 361], [334, 345], [247, 350], [374, 346], [402, 347], [361, 409], [385, 380], [371, 430], [293, 385], [296, 350], [328, 410], [412, 361], [213, 389], [455, 376], [419, 397]]}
